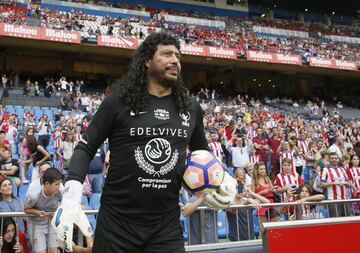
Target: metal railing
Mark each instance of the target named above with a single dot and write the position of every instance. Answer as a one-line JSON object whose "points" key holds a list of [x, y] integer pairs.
{"points": [[231, 236]]}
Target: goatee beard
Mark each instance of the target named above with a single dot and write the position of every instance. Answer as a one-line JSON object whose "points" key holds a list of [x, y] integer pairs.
{"points": [[166, 83]]}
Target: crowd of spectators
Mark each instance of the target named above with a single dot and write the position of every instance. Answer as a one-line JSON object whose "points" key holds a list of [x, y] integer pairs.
{"points": [[275, 156]]}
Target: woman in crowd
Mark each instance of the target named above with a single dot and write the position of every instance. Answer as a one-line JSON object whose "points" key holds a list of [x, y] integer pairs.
{"points": [[8, 202], [66, 151], [353, 173], [25, 155], [37, 156], [12, 240], [241, 226], [262, 185], [301, 195]]}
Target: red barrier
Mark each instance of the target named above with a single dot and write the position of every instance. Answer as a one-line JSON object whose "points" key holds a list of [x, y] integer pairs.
{"points": [[206, 51], [115, 41], [36, 33], [273, 57], [332, 63], [327, 235]]}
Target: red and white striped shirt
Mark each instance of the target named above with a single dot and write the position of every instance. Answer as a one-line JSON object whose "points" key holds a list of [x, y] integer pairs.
{"points": [[216, 149], [58, 138], [287, 155], [254, 158], [337, 174], [286, 181], [354, 176], [78, 137], [304, 146]]}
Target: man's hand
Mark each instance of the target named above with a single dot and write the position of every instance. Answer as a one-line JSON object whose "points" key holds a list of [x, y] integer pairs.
{"points": [[224, 196], [88, 249]]}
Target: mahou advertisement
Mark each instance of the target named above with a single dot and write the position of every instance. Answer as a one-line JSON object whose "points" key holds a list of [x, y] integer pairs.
{"points": [[37, 33], [206, 51], [273, 57], [115, 41]]}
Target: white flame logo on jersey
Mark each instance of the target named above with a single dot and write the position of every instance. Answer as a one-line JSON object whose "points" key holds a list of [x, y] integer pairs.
{"points": [[157, 151], [185, 117]]}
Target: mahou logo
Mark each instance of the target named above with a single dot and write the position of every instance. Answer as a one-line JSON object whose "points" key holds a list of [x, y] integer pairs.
{"points": [[115, 41], [192, 49], [20, 31], [61, 35], [222, 52]]}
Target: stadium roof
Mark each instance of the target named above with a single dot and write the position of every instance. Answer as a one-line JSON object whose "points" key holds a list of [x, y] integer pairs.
{"points": [[338, 7]]}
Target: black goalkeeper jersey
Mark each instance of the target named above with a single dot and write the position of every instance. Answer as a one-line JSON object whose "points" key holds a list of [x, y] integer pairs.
{"points": [[147, 155]]}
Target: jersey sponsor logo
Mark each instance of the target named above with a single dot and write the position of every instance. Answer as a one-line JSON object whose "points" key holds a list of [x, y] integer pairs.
{"points": [[157, 151], [161, 114], [148, 131], [185, 117]]}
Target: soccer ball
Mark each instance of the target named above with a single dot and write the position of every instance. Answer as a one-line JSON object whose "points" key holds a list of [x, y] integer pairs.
{"points": [[203, 172]]}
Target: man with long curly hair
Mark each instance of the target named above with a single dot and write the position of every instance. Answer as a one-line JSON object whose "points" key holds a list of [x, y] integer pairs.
{"points": [[150, 121]]}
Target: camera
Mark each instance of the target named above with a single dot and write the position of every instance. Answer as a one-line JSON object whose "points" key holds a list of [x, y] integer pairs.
{"points": [[240, 188], [297, 190]]}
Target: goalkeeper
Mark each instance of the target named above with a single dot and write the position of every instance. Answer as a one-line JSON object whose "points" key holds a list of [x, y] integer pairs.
{"points": [[150, 121]]}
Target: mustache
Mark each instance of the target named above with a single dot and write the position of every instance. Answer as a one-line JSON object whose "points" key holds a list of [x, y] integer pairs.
{"points": [[173, 67]]}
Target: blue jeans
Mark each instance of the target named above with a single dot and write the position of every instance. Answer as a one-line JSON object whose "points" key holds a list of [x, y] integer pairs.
{"points": [[97, 182]]}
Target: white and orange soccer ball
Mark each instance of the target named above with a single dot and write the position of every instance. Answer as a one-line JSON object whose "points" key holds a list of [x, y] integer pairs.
{"points": [[203, 172]]}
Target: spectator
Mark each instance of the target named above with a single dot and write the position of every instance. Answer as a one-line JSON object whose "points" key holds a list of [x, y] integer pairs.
{"points": [[241, 152], [66, 102], [10, 168], [260, 145], [337, 146], [12, 240], [287, 178], [66, 150], [189, 205], [262, 185], [38, 155], [215, 146], [4, 144], [8, 202], [335, 180], [25, 155], [302, 194], [44, 126], [41, 202]]}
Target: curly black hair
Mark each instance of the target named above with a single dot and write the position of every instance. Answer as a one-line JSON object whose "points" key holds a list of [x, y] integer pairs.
{"points": [[133, 87]]}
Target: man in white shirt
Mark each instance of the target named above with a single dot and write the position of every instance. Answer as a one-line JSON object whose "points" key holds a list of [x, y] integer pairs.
{"points": [[240, 153], [63, 83], [337, 146], [85, 102]]}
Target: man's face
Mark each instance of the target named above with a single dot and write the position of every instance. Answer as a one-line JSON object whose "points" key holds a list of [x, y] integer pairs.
{"points": [[164, 68], [213, 137], [54, 187], [2, 137], [6, 154], [319, 144], [334, 160], [43, 168], [259, 132]]}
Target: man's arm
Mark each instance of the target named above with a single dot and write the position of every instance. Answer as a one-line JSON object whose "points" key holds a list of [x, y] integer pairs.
{"points": [[10, 172], [99, 129]]}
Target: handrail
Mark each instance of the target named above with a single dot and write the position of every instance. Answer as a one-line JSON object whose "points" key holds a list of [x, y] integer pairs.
{"points": [[324, 202]]}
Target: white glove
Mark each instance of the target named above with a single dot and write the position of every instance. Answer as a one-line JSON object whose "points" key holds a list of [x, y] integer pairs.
{"points": [[70, 213], [225, 195]]}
